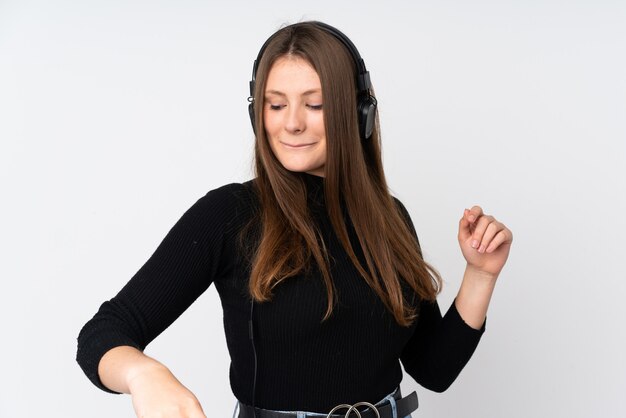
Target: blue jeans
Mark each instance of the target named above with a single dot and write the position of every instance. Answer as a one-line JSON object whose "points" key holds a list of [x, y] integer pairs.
{"points": [[303, 414]]}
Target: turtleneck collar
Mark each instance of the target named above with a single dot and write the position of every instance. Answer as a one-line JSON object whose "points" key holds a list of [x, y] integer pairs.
{"points": [[314, 186]]}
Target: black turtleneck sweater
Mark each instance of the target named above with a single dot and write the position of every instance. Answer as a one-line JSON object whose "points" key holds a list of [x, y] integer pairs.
{"points": [[303, 363]]}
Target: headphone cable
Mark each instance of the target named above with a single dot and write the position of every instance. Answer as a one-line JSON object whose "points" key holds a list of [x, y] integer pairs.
{"points": [[251, 334]]}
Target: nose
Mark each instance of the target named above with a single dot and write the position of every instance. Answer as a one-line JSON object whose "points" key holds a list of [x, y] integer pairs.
{"points": [[295, 122]]}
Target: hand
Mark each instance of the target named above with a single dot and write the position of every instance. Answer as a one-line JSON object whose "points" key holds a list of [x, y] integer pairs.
{"points": [[156, 393], [485, 242]]}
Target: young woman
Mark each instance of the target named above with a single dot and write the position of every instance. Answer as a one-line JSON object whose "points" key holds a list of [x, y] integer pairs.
{"points": [[324, 288]]}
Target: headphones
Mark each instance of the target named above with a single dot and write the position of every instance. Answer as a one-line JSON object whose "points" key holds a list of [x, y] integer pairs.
{"points": [[366, 102]]}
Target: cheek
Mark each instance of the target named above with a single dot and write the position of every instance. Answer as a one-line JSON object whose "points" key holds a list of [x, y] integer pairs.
{"points": [[318, 122], [270, 125], [271, 122], [323, 152], [267, 124]]}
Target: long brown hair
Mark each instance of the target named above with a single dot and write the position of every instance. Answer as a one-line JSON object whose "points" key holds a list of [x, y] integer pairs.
{"points": [[288, 236]]}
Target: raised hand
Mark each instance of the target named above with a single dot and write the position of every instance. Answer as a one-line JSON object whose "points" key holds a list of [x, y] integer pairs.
{"points": [[485, 242]]}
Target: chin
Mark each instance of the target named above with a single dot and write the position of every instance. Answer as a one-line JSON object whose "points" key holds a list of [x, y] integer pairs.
{"points": [[300, 169], [296, 169], [299, 166]]}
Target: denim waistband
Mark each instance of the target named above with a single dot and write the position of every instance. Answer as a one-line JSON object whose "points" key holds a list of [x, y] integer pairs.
{"points": [[390, 398]]}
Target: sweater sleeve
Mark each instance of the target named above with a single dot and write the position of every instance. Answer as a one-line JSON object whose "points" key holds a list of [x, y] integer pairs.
{"points": [[440, 347], [182, 267]]}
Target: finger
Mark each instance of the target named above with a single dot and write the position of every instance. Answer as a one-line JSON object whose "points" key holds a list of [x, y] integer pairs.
{"points": [[464, 226], [479, 230], [504, 236], [475, 213], [492, 230]]}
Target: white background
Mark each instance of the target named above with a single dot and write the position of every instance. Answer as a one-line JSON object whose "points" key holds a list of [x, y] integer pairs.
{"points": [[115, 116]]}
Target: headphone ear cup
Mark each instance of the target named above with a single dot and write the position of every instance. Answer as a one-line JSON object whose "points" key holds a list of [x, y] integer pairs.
{"points": [[251, 112], [367, 116]]}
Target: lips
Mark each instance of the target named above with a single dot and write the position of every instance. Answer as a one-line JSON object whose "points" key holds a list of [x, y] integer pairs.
{"points": [[296, 146]]}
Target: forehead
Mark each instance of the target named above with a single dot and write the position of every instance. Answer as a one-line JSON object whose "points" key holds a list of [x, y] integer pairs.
{"points": [[291, 74]]}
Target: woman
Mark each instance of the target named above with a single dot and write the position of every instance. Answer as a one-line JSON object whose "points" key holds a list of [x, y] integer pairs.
{"points": [[319, 270]]}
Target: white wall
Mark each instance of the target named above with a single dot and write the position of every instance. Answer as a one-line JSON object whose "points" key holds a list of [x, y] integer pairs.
{"points": [[116, 116]]}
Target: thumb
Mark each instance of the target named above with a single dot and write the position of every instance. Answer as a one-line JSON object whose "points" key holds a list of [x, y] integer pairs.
{"points": [[465, 232]]}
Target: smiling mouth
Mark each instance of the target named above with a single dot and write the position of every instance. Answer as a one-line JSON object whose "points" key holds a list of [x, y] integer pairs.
{"points": [[298, 145]]}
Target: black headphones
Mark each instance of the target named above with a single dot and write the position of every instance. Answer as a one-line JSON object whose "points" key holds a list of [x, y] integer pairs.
{"points": [[366, 103]]}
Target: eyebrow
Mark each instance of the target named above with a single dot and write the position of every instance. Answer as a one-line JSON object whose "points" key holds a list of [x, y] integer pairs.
{"points": [[306, 93]]}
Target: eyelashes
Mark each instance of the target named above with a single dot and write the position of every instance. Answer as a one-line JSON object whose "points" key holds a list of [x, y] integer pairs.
{"points": [[312, 107]]}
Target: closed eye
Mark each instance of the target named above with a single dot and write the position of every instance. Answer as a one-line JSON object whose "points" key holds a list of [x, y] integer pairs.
{"points": [[315, 107]]}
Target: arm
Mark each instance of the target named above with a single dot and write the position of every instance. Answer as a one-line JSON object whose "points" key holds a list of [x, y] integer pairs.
{"points": [[121, 364], [485, 244], [111, 344], [154, 389], [440, 347]]}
